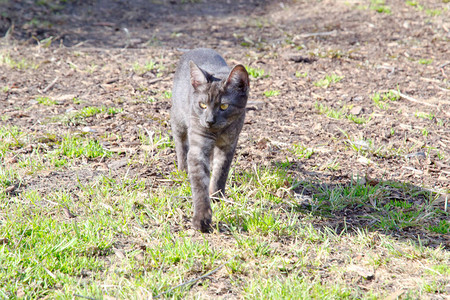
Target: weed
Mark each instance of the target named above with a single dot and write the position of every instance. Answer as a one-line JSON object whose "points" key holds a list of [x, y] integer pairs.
{"points": [[415, 4], [424, 115], [10, 137], [73, 147], [381, 99], [380, 6], [45, 101], [299, 74], [339, 114], [8, 176], [6, 59], [167, 94], [425, 61], [330, 112], [328, 80], [146, 67], [77, 117], [271, 93], [255, 72], [302, 151], [443, 227], [433, 12]]}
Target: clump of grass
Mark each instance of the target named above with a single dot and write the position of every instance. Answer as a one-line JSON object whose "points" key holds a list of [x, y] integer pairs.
{"points": [[8, 176], [46, 101], [443, 227], [255, 72], [381, 99], [77, 117], [6, 59], [167, 94], [433, 12], [328, 80], [415, 4], [425, 61], [299, 74], [73, 147], [10, 137], [301, 151], [424, 115], [271, 93], [339, 114], [380, 6], [144, 68]]}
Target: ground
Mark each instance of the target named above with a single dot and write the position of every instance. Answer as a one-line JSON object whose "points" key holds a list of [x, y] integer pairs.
{"points": [[340, 184]]}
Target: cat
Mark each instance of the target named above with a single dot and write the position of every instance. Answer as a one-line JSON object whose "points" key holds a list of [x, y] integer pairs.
{"points": [[208, 110]]}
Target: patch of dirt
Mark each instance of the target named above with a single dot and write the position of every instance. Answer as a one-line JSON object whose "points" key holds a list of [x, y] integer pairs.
{"points": [[94, 52]]}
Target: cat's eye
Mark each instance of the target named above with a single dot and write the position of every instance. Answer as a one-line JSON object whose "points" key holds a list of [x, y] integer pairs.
{"points": [[202, 105], [223, 106]]}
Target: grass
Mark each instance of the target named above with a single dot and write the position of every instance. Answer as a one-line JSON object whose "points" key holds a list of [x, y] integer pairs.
{"points": [[126, 235], [342, 113], [78, 117], [380, 6], [328, 80], [381, 100], [299, 74], [425, 61], [424, 115], [301, 151], [256, 73], [45, 101], [22, 64], [271, 93], [144, 68]]}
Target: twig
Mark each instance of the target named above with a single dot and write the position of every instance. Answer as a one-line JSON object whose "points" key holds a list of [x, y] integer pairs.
{"points": [[85, 297], [305, 35], [154, 80], [444, 64], [196, 279], [50, 85], [409, 98], [20, 240]]}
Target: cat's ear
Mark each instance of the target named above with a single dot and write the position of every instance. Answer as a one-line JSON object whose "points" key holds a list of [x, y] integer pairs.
{"points": [[197, 76], [238, 79]]}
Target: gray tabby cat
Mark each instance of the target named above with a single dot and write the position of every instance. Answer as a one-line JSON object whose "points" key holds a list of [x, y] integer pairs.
{"points": [[208, 111]]}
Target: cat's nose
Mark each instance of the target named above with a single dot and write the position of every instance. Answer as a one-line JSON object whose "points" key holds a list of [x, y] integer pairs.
{"points": [[211, 121]]}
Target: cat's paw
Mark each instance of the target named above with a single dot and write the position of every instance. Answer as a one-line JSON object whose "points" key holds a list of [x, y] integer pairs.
{"points": [[203, 222]]}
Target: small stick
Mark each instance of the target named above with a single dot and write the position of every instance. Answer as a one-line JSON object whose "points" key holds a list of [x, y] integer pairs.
{"points": [[50, 85], [409, 98], [304, 35], [196, 279], [85, 297], [154, 80], [444, 64]]}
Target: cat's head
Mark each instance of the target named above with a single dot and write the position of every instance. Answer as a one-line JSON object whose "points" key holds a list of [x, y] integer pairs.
{"points": [[219, 102]]}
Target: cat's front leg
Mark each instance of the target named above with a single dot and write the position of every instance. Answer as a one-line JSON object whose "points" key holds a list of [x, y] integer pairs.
{"points": [[200, 148], [223, 156]]}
